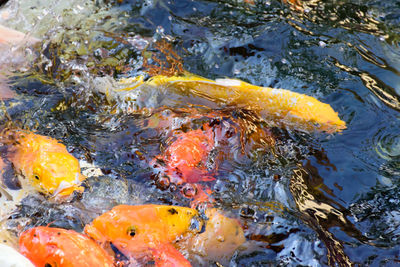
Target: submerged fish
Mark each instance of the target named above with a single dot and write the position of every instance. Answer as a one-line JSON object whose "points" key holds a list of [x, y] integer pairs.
{"points": [[289, 108], [192, 157], [55, 247], [43, 163], [185, 158], [185, 162], [146, 232]]}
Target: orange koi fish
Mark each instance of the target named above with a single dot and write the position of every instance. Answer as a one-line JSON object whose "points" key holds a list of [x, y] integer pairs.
{"points": [[55, 247], [194, 156], [145, 232], [185, 163], [185, 158], [44, 163]]}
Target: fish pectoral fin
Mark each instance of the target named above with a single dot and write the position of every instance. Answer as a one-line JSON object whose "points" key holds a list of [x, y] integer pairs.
{"points": [[167, 255]]}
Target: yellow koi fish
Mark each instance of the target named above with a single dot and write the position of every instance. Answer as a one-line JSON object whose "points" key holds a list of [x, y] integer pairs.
{"points": [[44, 163], [293, 109]]}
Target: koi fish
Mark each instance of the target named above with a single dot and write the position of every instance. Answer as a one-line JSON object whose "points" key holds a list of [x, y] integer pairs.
{"points": [[12, 258], [57, 247], [186, 157], [44, 163], [290, 108], [194, 156], [221, 238], [146, 232]]}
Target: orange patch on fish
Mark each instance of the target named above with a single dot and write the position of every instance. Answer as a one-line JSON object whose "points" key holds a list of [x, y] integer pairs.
{"points": [[185, 158], [194, 156], [166, 255], [56, 247]]}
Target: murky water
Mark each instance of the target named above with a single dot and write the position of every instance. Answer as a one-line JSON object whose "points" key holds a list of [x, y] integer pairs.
{"points": [[310, 199]]}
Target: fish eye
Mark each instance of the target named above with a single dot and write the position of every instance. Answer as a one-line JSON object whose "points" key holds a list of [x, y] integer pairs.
{"points": [[50, 265], [131, 231], [37, 177]]}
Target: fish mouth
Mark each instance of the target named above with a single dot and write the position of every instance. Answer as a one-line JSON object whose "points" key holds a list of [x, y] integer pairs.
{"points": [[66, 188]]}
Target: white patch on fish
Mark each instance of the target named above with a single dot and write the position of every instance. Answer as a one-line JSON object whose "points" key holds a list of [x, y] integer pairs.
{"points": [[228, 82], [63, 185]]}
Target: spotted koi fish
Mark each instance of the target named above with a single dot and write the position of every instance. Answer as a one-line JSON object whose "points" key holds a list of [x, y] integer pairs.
{"points": [[146, 232]]}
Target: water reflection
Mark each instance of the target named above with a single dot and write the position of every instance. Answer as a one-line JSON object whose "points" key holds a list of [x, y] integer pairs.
{"points": [[322, 213]]}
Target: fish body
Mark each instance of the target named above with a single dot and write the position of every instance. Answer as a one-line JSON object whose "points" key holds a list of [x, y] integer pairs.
{"points": [[185, 158], [44, 163], [46, 246], [141, 232], [193, 156], [295, 109], [221, 238], [292, 109]]}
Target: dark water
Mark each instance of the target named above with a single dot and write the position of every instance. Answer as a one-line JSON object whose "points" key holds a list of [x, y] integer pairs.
{"points": [[320, 199]]}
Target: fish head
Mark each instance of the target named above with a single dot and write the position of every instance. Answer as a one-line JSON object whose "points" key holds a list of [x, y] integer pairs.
{"points": [[128, 226], [187, 156], [46, 246], [56, 173], [34, 244], [135, 229]]}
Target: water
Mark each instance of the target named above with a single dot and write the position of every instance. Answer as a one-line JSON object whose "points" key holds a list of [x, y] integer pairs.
{"points": [[315, 199]]}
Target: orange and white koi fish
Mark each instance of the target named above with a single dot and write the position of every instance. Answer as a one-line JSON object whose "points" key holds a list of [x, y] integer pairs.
{"points": [[291, 109], [146, 232], [43, 163], [56, 247]]}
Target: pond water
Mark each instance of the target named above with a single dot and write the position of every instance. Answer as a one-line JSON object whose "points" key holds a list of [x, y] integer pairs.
{"points": [[313, 199]]}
